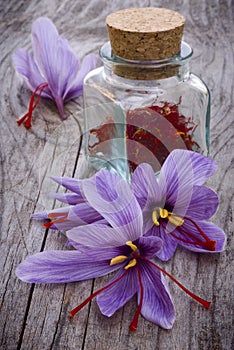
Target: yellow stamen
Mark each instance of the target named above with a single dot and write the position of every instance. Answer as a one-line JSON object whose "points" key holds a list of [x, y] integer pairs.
{"points": [[163, 213], [155, 218], [131, 264], [118, 259], [130, 244], [175, 220]]}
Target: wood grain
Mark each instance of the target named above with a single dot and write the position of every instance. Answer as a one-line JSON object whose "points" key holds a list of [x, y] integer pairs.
{"points": [[35, 317]]}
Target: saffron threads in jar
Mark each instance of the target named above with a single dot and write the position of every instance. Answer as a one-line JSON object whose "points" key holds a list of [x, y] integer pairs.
{"points": [[151, 133]]}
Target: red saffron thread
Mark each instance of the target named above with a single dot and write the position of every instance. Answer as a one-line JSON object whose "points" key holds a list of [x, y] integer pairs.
{"points": [[208, 243], [86, 301], [205, 303], [26, 119], [154, 130], [56, 218], [153, 136], [133, 325]]}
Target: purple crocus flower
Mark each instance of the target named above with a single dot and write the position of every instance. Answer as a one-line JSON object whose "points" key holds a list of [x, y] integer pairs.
{"points": [[78, 212], [176, 204], [52, 70], [102, 249]]}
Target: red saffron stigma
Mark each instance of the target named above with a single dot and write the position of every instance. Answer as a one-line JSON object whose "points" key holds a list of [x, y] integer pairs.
{"points": [[26, 119], [152, 133], [205, 303], [133, 325], [56, 218], [207, 244], [48, 224], [86, 301]]}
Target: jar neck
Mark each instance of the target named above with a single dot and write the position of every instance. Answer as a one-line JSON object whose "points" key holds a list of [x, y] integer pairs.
{"points": [[174, 68]]}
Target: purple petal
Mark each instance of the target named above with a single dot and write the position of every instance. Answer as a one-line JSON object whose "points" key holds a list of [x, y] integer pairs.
{"points": [[86, 213], [105, 179], [169, 244], [119, 293], [44, 214], [149, 246], [100, 235], [145, 187], [157, 303], [55, 58], [213, 232], [69, 198], [203, 204], [113, 199], [182, 170], [75, 89], [41, 215], [62, 266], [25, 65], [71, 184]]}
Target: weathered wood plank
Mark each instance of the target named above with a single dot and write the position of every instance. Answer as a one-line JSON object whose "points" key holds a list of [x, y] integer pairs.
{"points": [[36, 317]]}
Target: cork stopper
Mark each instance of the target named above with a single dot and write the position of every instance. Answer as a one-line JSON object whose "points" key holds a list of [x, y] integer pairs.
{"points": [[145, 33]]}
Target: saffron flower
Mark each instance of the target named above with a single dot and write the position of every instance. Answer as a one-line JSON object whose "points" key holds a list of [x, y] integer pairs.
{"points": [[176, 205], [102, 249], [53, 70], [78, 212]]}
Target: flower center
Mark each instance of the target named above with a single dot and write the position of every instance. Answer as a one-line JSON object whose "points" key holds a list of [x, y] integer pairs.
{"points": [[165, 214], [26, 119], [121, 258], [198, 238]]}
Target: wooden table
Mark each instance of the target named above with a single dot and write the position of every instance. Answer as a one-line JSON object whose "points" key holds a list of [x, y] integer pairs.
{"points": [[36, 316]]}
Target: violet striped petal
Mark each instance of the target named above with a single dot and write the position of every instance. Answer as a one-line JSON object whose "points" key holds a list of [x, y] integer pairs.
{"points": [[182, 170], [113, 199], [157, 304], [62, 266], [75, 88], [119, 293], [169, 244], [56, 59], [68, 198], [71, 184], [145, 187], [149, 246], [101, 235], [25, 65], [85, 212], [203, 204]]}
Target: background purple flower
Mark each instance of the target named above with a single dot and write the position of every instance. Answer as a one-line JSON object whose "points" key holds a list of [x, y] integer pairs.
{"points": [[53, 70], [79, 211], [175, 205]]}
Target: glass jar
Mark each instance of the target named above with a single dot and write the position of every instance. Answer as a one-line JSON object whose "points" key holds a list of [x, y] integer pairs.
{"points": [[140, 110]]}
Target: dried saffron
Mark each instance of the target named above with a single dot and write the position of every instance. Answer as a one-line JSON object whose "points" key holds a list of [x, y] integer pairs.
{"points": [[156, 131], [151, 133]]}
